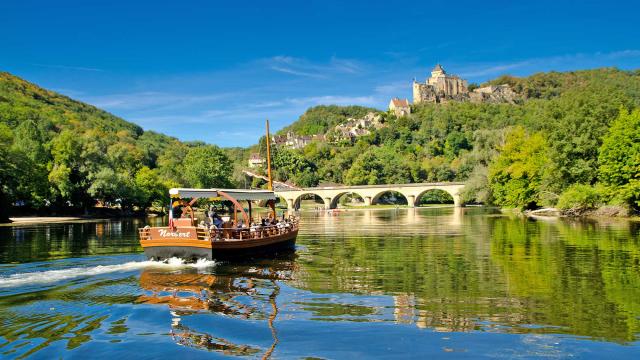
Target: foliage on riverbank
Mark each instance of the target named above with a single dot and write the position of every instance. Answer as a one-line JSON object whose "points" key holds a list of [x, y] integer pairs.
{"points": [[575, 134], [572, 128], [59, 154]]}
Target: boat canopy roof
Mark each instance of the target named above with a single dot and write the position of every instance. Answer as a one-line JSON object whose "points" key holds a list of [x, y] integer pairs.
{"points": [[238, 194]]}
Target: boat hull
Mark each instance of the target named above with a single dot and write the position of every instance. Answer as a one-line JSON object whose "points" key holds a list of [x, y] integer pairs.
{"points": [[221, 249]]}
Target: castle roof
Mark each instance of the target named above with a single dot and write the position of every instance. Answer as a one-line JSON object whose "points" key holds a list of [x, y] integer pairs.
{"points": [[438, 68]]}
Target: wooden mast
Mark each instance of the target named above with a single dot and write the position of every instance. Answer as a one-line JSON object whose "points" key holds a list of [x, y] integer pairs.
{"points": [[270, 184]]}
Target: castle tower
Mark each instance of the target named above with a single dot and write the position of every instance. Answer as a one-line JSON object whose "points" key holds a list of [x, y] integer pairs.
{"points": [[437, 71]]}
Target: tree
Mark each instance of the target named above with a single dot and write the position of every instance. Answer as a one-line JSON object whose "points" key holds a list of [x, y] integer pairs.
{"points": [[7, 170], [29, 152], [379, 165], [620, 158], [150, 187], [516, 174], [207, 166]]}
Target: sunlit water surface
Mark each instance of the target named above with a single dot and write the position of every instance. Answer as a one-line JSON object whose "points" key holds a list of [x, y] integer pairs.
{"points": [[403, 283]]}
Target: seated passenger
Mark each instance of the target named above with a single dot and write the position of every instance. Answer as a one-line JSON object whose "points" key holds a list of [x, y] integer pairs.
{"points": [[217, 221]]}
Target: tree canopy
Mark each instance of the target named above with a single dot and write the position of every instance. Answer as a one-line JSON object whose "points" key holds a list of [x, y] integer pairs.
{"points": [[59, 154]]}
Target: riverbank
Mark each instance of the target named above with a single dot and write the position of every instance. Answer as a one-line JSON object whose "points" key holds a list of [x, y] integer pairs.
{"points": [[604, 212], [31, 220]]}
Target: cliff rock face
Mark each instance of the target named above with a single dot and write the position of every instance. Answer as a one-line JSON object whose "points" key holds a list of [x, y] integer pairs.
{"points": [[494, 94]]}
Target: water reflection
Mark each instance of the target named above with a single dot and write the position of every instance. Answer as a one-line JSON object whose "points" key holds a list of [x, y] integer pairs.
{"points": [[33, 242], [355, 277], [237, 291], [454, 272]]}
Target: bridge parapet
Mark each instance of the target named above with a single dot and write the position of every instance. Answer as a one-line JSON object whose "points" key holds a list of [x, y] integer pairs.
{"points": [[371, 193]]}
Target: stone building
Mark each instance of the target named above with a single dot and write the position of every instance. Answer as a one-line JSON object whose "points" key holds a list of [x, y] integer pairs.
{"points": [[440, 87], [294, 141], [354, 128], [255, 160], [399, 107]]}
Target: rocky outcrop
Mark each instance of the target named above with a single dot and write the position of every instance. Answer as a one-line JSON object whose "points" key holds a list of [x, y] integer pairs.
{"points": [[494, 94]]}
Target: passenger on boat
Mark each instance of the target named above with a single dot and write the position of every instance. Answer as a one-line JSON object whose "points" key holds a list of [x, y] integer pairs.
{"points": [[217, 220], [211, 214]]}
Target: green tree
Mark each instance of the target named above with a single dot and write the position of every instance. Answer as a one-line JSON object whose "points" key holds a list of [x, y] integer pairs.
{"points": [[516, 174], [151, 188], [7, 171], [207, 166], [620, 158]]}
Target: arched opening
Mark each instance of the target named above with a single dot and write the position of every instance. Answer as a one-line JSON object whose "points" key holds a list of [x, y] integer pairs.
{"points": [[281, 203], [347, 199], [434, 197], [389, 197], [309, 201]]}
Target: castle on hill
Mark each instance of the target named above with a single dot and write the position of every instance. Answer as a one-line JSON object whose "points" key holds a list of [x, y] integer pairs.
{"points": [[442, 87], [439, 87]]}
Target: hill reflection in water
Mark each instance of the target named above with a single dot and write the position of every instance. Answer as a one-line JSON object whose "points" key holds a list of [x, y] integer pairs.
{"points": [[361, 283]]}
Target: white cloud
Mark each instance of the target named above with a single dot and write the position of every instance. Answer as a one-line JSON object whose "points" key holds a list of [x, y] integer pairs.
{"points": [[332, 100], [559, 62], [393, 88], [306, 68], [151, 99], [66, 67]]}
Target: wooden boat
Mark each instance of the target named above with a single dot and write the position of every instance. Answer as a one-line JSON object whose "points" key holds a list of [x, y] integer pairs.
{"points": [[185, 238]]}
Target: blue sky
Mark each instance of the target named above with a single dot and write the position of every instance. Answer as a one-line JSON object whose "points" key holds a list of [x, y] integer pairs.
{"points": [[213, 71]]}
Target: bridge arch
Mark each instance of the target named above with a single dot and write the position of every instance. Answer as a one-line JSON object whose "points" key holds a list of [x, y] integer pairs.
{"points": [[454, 195], [297, 201], [334, 200], [434, 191], [376, 198]]}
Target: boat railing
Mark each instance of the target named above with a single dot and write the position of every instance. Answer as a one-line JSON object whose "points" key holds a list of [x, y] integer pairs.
{"points": [[256, 232], [234, 233], [145, 233]]}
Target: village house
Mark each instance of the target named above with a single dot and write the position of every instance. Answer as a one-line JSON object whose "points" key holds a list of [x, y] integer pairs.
{"points": [[400, 107], [255, 160], [293, 141], [354, 128]]}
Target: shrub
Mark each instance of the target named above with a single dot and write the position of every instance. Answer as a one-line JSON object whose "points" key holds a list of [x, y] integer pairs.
{"points": [[579, 198]]}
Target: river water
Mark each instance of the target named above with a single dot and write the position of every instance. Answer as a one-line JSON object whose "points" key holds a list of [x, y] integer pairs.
{"points": [[396, 283]]}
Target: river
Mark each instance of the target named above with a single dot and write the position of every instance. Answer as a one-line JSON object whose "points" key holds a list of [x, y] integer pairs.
{"points": [[403, 283]]}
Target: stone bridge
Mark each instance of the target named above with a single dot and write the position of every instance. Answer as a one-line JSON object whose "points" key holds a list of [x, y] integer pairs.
{"points": [[370, 193]]}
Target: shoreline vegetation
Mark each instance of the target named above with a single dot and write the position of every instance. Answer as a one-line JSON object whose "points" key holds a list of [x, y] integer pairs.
{"points": [[571, 141]]}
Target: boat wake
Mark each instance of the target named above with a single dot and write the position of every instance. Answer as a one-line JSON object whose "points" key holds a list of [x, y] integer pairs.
{"points": [[52, 276]]}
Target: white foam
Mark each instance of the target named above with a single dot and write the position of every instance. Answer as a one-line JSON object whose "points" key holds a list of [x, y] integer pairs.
{"points": [[52, 276]]}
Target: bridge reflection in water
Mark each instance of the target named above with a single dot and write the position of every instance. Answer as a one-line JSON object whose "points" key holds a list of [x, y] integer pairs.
{"points": [[354, 273]]}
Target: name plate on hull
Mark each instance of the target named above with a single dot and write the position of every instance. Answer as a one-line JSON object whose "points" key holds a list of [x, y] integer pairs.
{"points": [[189, 233]]}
